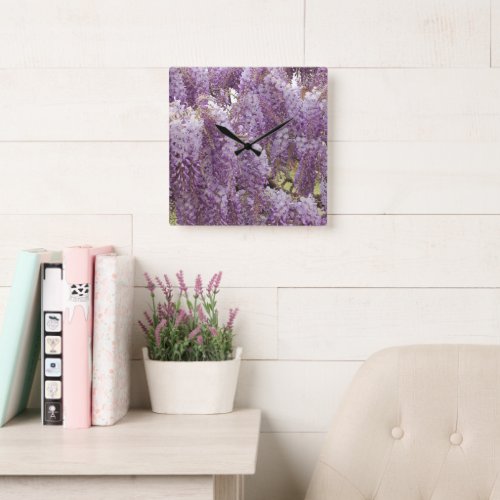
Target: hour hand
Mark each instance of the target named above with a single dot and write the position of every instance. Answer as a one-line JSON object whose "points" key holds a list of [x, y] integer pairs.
{"points": [[229, 134]]}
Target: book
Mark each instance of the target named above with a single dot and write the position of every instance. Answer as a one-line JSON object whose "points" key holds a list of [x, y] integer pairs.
{"points": [[113, 309], [19, 340], [51, 340], [78, 269]]}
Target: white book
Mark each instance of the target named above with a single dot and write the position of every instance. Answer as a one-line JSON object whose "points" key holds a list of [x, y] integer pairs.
{"points": [[113, 305], [52, 341]]}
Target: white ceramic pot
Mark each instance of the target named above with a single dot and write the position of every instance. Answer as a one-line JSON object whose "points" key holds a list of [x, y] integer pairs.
{"points": [[192, 387]]}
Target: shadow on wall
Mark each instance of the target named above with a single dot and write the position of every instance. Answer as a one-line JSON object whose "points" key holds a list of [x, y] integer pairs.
{"points": [[280, 466]]}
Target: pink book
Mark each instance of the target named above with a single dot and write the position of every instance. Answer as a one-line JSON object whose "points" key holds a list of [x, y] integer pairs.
{"points": [[78, 264]]}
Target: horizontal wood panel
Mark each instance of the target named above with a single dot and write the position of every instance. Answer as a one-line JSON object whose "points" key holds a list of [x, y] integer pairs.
{"points": [[413, 178], [152, 33], [285, 465], [86, 104], [255, 326], [109, 488], [352, 250], [294, 396], [364, 178], [57, 231], [51, 177], [398, 33], [355, 323], [338, 33], [414, 105]]}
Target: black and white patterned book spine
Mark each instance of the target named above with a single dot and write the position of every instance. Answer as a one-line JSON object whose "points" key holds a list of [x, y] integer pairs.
{"points": [[52, 339]]}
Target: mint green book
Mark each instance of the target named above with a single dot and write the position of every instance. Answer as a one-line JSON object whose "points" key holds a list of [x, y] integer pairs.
{"points": [[20, 335]]}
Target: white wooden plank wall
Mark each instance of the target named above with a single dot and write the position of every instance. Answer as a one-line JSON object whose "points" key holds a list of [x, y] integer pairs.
{"points": [[411, 253]]}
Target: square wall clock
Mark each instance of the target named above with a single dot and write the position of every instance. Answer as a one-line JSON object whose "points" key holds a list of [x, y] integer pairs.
{"points": [[248, 146]]}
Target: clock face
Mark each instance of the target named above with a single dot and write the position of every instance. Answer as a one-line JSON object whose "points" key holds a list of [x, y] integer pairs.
{"points": [[248, 146]]}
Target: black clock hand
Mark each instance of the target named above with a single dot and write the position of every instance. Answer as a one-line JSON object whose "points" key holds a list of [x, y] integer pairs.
{"points": [[234, 137], [272, 131], [275, 129], [229, 134]]}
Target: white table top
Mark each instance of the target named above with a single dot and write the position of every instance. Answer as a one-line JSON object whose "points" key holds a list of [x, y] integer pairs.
{"points": [[142, 443]]}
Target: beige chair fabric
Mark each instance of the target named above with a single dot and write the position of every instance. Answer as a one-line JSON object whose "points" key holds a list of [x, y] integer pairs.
{"points": [[417, 423]]}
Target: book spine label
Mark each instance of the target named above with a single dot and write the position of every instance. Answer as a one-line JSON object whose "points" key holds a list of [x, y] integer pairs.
{"points": [[52, 344]]}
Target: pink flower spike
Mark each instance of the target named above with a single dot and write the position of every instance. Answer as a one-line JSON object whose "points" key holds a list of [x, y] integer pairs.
{"points": [[211, 283], [143, 327], [158, 329], [195, 332], [166, 311], [148, 318], [149, 283], [162, 286], [182, 283], [199, 339], [180, 318], [218, 280], [170, 308], [201, 314], [198, 285], [213, 331], [161, 314], [232, 316], [168, 282]]}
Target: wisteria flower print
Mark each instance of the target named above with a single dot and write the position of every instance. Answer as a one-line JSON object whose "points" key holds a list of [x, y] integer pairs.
{"points": [[248, 146]]}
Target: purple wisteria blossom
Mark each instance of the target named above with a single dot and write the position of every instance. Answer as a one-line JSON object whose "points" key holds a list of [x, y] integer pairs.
{"points": [[282, 180]]}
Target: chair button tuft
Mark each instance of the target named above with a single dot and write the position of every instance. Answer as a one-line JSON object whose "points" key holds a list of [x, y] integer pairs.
{"points": [[456, 438], [397, 433]]}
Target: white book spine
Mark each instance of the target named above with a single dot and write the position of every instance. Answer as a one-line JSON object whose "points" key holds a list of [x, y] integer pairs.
{"points": [[52, 339]]}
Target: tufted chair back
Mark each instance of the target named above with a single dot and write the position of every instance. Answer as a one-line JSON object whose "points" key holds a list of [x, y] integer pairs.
{"points": [[417, 423]]}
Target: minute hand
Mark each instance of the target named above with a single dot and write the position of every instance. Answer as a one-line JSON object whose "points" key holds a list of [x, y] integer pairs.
{"points": [[275, 129]]}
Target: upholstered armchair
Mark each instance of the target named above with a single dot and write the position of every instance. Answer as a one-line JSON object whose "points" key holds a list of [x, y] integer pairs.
{"points": [[417, 423]]}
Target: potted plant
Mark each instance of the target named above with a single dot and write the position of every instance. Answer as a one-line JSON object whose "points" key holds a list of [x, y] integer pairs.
{"points": [[191, 367]]}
